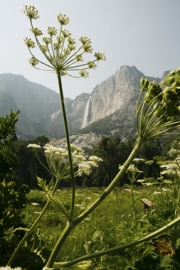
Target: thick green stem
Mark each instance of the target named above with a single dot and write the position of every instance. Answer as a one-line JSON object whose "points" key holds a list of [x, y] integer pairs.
{"points": [[122, 247], [75, 222], [113, 183], [67, 139], [27, 234], [69, 227]]}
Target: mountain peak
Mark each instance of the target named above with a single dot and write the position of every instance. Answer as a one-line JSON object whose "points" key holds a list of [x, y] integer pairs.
{"points": [[40, 113]]}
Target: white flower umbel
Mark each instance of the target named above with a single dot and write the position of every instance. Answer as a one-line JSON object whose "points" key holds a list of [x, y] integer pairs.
{"points": [[95, 159], [59, 48], [33, 145], [141, 180], [58, 162], [132, 169], [147, 184], [138, 160], [170, 169]]}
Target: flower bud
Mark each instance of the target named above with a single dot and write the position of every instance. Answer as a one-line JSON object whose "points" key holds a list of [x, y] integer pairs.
{"points": [[144, 84], [169, 79], [31, 12], [71, 40], [44, 48], [87, 48], [79, 57], [52, 31], [91, 65], [100, 56], [36, 31], [46, 40], [59, 39], [33, 61], [29, 42], [66, 33], [56, 46], [63, 19], [84, 73], [85, 40], [71, 47]]}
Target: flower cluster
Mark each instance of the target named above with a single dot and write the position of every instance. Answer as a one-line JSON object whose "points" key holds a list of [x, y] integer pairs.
{"points": [[33, 145], [133, 172], [133, 169], [167, 97], [58, 161], [172, 168], [59, 48], [31, 12], [158, 107]]}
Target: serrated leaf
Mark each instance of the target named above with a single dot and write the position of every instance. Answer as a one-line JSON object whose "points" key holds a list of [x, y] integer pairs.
{"points": [[42, 183], [58, 204]]}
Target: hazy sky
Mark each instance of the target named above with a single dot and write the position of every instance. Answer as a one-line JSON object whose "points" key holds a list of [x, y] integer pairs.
{"points": [[143, 33]]}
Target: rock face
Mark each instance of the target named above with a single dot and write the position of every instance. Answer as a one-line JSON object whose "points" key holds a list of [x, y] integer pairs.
{"points": [[114, 94], [84, 141], [110, 95], [40, 110], [75, 114]]}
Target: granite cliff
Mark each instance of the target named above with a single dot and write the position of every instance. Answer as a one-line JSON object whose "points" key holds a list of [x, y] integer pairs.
{"points": [[111, 100]]}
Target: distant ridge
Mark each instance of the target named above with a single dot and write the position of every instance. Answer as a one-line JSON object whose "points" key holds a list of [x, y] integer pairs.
{"points": [[112, 103]]}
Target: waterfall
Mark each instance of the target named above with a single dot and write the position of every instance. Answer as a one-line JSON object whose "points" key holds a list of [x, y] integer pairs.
{"points": [[85, 118]]}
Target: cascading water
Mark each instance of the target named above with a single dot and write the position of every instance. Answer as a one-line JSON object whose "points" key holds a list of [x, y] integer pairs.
{"points": [[86, 112]]}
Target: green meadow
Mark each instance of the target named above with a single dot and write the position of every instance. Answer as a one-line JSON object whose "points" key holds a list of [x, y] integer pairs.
{"points": [[116, 221]]}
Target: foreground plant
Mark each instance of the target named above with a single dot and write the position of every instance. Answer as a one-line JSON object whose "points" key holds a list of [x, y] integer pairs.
{"points": [[157, 112], [170, 172], [60, 54], [133, 172]]}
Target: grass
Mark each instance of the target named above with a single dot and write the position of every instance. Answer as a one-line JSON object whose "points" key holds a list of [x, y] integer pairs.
{"points": [[112, 223], [117, 207]]}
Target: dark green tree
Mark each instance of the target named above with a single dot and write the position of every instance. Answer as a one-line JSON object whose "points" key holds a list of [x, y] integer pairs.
{"points": [[113, 152], [149, 151], [40, 140], [29, 165], [12, 194]]}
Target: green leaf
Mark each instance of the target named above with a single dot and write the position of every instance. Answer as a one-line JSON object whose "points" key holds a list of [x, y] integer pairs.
{"points": [[42, 184], [58, 204]]}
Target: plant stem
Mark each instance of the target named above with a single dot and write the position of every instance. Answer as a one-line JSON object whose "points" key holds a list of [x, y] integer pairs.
{"points": [[113, 183], [133, 202], [27, 234], [67, 139], [71, 226], [122, 247]]}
